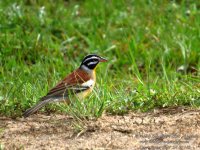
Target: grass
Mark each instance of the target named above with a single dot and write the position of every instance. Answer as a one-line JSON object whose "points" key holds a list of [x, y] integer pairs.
{"points": [[145, 41]]}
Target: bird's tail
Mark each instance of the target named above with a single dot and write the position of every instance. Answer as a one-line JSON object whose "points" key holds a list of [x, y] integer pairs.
{"points": [[35, 108]]}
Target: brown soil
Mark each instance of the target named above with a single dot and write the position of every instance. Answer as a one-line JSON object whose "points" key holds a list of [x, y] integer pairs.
{"points": [[172, 128]]}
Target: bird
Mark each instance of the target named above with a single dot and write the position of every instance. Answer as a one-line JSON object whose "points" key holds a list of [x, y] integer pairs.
{"points": [[79, 83]]}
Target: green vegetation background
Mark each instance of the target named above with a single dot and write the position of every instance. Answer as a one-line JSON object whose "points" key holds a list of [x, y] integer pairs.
{"points": [[153, 49]]}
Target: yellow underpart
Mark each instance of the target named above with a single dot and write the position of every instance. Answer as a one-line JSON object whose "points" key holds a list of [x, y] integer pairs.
{"points": [[85, 93]]}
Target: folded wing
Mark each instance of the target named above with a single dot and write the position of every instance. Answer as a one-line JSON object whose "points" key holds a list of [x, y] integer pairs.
{"points": [[72, 84]]}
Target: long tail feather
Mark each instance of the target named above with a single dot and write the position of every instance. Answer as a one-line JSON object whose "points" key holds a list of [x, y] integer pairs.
{"points": [[35, 108]]}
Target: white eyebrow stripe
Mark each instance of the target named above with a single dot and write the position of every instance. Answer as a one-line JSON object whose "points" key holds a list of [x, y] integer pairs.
{"points": [[93, 57], [92, 63]]}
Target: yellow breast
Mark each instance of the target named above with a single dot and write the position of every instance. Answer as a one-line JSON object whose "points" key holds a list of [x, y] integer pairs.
{"points": [[89, 83]]}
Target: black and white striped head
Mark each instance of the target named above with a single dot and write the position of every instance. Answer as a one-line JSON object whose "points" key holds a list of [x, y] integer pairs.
{"points": [[90, 61]]}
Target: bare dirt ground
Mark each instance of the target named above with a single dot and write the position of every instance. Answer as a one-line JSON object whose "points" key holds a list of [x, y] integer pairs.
{"points": [[171, 128]]}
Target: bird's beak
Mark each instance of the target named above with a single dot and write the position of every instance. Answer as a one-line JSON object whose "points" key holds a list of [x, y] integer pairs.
{"points": [[101, 59]]}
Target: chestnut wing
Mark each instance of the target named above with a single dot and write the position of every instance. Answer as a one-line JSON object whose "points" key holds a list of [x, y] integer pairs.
{"points": [[69, 85]]}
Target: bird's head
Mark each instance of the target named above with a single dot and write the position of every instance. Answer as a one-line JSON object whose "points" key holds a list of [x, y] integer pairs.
{"points": [[91, 61]]}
